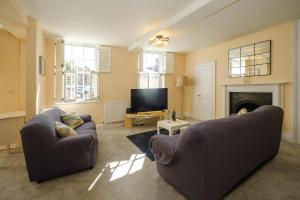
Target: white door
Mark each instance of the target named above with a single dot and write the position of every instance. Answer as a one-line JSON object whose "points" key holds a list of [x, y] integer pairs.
{"points": [[204, 93]]}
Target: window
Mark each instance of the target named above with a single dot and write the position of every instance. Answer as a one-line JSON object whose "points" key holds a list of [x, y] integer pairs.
{"points": [[81, 73], [151, 70]]}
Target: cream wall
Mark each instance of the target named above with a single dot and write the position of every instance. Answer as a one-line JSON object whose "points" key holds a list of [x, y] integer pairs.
{"points": [[12, 70], [282, 67], [175, 94], [115, 85], [35, 82]]}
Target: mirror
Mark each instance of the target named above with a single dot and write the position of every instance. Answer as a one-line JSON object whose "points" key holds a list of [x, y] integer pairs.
{"points": [[250, 60]]}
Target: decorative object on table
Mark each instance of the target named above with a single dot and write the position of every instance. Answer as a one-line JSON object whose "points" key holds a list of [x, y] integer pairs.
{"points": [[250, 60], [174, 115], [181, 82], [179, 115], [41, 65]]}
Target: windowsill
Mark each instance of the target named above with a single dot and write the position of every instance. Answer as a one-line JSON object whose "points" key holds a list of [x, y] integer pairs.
{"points": [[78, 102]]}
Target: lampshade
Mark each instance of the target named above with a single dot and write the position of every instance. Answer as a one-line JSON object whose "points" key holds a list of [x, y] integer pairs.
{"points": [[181, 81]]}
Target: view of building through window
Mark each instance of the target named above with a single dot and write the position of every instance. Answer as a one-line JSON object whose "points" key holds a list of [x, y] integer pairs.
{"points": [[151, 76], [81, 72]]}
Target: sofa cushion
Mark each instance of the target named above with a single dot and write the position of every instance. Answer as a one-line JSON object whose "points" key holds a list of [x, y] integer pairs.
{"points": [[86, 118], [63, 130], [85, 126], [72, 119]]}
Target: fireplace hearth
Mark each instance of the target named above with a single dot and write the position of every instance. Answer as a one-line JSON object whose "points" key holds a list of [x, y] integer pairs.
{"points": [[248, 100]]}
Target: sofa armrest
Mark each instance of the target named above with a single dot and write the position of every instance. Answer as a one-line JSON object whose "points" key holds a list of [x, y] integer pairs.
{"points": [[86, 118], [163, 148]]}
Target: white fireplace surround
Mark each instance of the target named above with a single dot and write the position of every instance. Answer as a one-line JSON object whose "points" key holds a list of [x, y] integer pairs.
{"points": [[275, 88]]}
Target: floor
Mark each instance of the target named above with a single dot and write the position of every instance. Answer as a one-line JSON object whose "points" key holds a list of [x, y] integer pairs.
{"points": [[122, 172]]}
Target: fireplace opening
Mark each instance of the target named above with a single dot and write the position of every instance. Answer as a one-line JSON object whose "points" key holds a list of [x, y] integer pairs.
{"points": [[248, 100]]}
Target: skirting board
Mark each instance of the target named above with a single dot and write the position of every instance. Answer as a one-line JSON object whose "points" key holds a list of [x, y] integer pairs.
{"points": [[110, 125], [289, 137]]}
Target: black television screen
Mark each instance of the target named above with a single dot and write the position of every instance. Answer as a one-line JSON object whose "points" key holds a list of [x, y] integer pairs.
{"points": [[143, 100]]}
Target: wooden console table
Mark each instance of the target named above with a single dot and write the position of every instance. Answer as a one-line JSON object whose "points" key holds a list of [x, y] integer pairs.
{"points": [[129, 118], [10, 125]]}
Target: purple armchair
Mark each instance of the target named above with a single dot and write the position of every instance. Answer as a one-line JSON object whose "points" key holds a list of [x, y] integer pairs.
{"points": [[48, 156]]}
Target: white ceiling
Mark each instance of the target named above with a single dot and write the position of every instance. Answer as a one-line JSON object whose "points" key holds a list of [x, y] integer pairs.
{"points": [[109, 22], [240, 18], [191, 24]]}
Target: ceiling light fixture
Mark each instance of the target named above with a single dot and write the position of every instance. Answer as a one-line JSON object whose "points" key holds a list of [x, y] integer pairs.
{"points": [[159, 41]]}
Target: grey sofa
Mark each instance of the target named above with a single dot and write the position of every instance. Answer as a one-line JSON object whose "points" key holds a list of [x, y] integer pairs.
{"points": [[208, 159], [48, 156]]}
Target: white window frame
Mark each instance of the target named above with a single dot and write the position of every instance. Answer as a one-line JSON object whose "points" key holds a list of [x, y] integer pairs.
{"points": [[75, 72], [161, 72]]}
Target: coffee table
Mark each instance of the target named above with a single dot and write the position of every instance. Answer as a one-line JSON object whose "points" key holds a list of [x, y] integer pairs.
{"points": [[171, 126]]}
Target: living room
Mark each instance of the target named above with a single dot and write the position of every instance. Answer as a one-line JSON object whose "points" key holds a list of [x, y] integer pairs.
{"points": [[150, 99]]}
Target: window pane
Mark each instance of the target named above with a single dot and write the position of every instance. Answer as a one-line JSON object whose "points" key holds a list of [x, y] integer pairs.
{"points": [[89, 53], [81, 60], [162, 81], [78, 63], [68, 52], [94, 85], [263, 47], [263, 58], [234, 53], [87, 88], [152, 62], [90, 64], [154, 80], [70, 86], [77, 52], [247, 50], [143, 81], [80, 86], [247, 61]]}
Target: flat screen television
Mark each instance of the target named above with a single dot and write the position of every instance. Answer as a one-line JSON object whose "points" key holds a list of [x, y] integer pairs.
{"points": [[144, 100]]}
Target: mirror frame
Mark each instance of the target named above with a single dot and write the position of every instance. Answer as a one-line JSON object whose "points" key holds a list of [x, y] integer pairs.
{"points": [[253, 55]]}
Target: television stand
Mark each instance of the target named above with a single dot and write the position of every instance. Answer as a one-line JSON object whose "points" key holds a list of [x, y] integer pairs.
{"points": [[129, 118]]}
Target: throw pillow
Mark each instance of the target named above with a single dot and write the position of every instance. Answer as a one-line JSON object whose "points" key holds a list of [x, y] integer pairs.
{"points": [[63, 130], [72, 119], [242, 111]]}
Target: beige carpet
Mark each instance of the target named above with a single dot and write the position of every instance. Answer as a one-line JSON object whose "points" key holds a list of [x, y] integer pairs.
{"points": [[122, 172]]}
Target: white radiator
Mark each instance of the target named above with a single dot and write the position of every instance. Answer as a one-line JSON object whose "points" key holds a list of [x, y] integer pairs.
{"points": [[114, 111]]}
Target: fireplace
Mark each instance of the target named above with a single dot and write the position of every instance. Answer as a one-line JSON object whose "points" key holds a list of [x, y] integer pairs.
{"points": [[251, 96], [248, 100]]}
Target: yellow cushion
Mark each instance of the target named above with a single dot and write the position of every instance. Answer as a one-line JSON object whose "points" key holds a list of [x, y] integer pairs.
{"points": [[72, 119], [63, 130]]}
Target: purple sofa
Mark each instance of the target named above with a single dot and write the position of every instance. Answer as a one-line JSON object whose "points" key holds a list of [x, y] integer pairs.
{"points": [[48, 156], [209, 158]]}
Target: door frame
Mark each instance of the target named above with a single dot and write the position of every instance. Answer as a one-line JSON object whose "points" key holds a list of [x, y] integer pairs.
{"points": [[211, 64]]}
